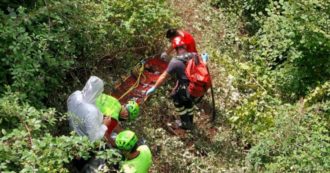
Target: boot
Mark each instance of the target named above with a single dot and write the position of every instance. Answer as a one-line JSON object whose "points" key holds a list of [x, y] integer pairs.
{"points": [[187, 122]]}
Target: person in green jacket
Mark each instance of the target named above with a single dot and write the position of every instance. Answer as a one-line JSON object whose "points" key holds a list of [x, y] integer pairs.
{"points": [[114, 112], [137, 158]]}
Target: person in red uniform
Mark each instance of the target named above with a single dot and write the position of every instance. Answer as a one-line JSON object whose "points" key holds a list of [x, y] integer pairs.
{"points": [[187, 38]]}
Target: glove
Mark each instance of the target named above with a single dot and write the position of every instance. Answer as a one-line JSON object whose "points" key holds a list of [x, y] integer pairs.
{"points": [[113, 135], [205, 57], [150, 90], [163, 55]]}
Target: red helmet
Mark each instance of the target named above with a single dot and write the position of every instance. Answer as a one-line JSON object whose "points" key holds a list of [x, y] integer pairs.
{"points": [[177, 42]]}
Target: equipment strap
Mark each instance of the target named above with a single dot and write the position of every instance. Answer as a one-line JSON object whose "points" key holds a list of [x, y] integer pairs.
{"points": [[136, 84]]}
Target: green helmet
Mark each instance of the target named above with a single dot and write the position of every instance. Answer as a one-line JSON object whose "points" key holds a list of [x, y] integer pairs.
{"points": [[126, 140], [133, 109]]}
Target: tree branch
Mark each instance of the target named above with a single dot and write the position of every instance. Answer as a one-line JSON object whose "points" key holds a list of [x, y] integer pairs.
{"points": [[28, 130]]}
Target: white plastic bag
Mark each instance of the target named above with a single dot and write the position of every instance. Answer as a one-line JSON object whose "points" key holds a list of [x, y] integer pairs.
{"points": [[93, 88]]}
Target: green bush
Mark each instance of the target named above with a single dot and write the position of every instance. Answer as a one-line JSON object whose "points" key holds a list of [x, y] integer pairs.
{"points": [[287, 59], [46, 48], [293, 43], [27, 144], [43, 46], [245, 9], [299, 142]]}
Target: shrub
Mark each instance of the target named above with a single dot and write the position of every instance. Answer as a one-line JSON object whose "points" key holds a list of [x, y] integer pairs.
{"points": [[44, 43], [27, 143], [293, 44], [299, 142], [245, 9]]}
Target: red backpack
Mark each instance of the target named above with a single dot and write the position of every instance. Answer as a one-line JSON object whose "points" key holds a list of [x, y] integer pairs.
{"points": [[198, 75]]}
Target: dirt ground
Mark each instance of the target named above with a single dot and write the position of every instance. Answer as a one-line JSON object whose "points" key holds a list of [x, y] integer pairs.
{"points": [[198, 141]]}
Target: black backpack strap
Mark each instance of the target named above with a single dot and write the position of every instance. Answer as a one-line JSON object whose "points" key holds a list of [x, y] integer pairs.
{"points": [[187, 56], [196, 58]]}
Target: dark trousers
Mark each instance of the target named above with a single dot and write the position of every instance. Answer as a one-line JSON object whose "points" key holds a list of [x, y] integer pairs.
{"points": [[184, 106]]}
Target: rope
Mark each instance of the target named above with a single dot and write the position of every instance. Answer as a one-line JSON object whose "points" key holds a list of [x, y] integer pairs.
{"points": [[136, 84]]}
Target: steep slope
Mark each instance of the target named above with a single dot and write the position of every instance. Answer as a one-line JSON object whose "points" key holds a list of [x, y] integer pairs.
{"points": [[212, 147]]}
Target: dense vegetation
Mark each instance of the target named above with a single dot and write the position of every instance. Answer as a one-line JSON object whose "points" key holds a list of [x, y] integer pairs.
{"points": [[281, 52], [270, 60], [47, 47]]}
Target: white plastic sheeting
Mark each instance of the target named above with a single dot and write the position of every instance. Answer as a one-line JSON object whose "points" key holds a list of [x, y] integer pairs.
{"points": [[84, 117], [93, 88]]}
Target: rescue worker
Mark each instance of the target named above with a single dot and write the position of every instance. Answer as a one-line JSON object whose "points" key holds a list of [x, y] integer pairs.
{"points": [[114, 112], [182, 101], [187, 38], [137, 158], [84, 117]]}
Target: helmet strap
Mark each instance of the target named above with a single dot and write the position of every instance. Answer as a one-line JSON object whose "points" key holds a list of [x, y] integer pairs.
{"points": [[128, 112]]}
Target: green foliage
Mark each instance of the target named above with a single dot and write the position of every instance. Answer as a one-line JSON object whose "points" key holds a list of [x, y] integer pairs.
{"points": [[36, 52], [46, 48], [42, 45], [175, 156], [138, 22], [254, 115], [266, 52], [231, 5], [294, 44], [285, 60], [26, 143], [299, 142], [5, 4], [245, 9], [266, 55], [319, 94]]}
